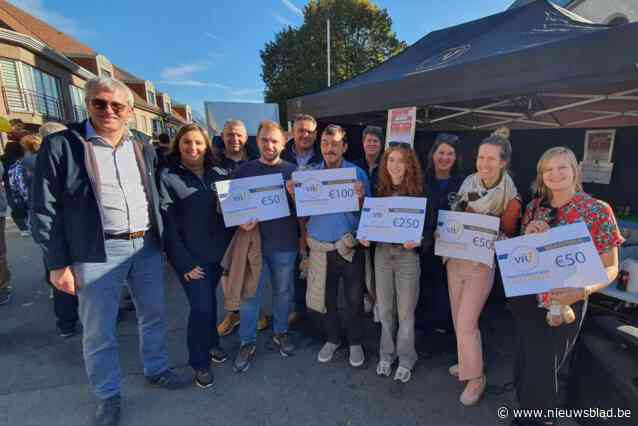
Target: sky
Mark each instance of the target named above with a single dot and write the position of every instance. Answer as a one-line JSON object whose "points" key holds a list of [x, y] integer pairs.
{"points": [[208, 50]]}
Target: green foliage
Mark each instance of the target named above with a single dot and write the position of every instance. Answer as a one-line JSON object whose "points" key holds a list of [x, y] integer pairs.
{"points": [[295, 62]]}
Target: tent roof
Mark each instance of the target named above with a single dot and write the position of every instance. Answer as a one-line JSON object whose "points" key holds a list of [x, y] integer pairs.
{"points": [[504, 63]]}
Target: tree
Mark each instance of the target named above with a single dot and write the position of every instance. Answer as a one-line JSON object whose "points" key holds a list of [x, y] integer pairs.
{"points": [[295, 62]]}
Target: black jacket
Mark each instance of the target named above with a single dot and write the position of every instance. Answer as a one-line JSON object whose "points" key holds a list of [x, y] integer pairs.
{"points": [[195, 232], [289, 155], [439, 200], [66, 219]]}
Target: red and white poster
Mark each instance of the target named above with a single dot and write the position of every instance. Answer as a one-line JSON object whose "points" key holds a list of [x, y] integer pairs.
{"points": [[401, 125]]}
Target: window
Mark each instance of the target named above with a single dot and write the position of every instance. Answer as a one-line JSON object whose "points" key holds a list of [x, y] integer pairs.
{"points": [[77, 101], [189, 119], [150, 97], [105, 73], [167, 106], [157, 127], [30, 89]]}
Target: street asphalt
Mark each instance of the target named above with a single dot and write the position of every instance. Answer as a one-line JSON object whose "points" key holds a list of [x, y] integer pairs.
{"points": [[42, 378]]}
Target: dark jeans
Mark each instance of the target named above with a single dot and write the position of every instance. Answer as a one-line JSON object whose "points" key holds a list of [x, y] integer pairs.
{"points": [[542, 352], [433, 310], [202, 319], [352, 274], [5, 274]]}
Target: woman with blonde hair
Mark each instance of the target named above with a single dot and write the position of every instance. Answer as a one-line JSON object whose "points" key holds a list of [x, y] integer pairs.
{"points": [[489, 191], [397, 268], [544, 346]]}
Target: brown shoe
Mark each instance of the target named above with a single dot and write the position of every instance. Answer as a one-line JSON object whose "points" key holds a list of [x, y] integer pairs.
{"points": [[228, 324], [262, 322]]}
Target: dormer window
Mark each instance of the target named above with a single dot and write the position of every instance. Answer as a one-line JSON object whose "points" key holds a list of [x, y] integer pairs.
{"points": [[150, 98], [150, 93]]}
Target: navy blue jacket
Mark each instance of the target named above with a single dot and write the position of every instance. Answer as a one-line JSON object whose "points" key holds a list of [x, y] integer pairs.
{"points": [[66, 217], [195, 232], [288, 154]]}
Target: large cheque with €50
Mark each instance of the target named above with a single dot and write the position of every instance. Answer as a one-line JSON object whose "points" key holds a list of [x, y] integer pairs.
{"points": [[467, 236], [564, 256], [257, 198], [392, 219], [325, 191]]}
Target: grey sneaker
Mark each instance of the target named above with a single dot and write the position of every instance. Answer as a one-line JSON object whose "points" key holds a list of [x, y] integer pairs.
{"points": [[282, 340], [244, 357], [357, 358], [327, 352]]}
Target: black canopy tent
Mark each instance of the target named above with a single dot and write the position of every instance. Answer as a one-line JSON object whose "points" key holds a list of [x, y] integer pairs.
{"points": [[536, 66]]}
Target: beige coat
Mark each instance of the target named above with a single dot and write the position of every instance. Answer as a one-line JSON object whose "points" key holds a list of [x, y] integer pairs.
{"points": [[318, 264], [242, 267]]}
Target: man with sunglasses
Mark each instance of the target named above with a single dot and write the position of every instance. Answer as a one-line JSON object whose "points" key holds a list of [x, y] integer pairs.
{"points": [[96, 215]]}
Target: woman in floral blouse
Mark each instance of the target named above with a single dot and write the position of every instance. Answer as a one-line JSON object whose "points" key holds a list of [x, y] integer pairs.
{"points": [[544, 348]]}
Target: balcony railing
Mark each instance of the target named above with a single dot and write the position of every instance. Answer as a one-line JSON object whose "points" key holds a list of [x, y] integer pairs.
{"points": [[30, 101]]}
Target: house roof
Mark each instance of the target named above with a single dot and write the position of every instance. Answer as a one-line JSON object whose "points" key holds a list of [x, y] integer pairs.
{"points": [[178, 116], [20, 21], [123, 75]]}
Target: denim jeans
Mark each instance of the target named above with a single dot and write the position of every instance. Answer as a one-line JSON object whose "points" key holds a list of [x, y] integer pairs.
{"points": [[202, 318], [139, 263], [278, 267]]}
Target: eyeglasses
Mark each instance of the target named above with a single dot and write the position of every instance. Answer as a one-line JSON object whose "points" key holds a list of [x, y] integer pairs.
{"points": [[101, 104]]}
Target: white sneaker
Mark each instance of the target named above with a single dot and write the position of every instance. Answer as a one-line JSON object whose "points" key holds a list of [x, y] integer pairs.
{"points": [[25, 233], [327, 352], [403, 374], [384, 368]]}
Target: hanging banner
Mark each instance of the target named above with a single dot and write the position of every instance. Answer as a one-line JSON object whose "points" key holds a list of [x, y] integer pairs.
{"points": [[401, 125]]}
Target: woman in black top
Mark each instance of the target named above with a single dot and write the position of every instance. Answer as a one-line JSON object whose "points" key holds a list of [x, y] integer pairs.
{"points": [[442, 180], [196, 240]]}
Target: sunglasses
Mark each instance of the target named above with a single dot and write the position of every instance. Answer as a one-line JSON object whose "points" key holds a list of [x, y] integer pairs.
{"points": [[102, 105]]}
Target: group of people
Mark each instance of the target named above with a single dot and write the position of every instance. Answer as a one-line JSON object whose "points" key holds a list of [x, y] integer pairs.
{"points": [[103, 214]]}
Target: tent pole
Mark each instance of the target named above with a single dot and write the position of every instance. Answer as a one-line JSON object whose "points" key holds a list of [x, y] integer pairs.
{"points": [[328, 47]]}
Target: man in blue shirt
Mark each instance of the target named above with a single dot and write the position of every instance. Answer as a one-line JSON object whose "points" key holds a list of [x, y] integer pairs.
{"points": [[331, 228]]}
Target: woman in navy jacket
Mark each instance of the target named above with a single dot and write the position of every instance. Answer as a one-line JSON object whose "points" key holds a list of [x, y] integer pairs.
{"points": [[196, 240], [442, 180]]}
